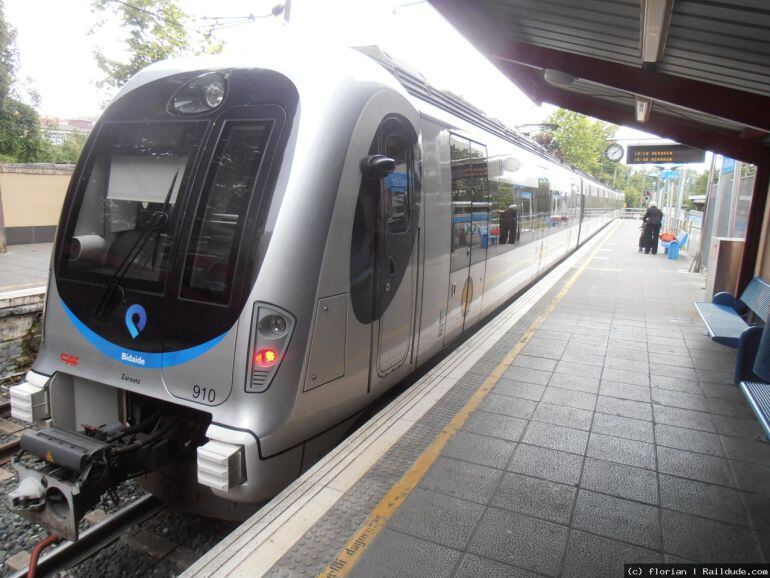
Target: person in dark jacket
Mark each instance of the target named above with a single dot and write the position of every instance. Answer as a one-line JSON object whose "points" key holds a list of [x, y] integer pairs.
{"points": [[508, 225], [652, 220]]}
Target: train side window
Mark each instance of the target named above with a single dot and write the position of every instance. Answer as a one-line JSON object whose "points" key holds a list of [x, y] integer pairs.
{"points": [[397, 184], [479, 202], [527, 220], [460, 155], [542, 203]]}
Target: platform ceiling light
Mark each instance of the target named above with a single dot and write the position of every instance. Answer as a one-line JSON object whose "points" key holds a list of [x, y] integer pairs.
{"points": [[558, 78], [655, 17], [643, 109]]}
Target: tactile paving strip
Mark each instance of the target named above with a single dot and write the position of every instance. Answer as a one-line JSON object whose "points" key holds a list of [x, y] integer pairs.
{"points": [[320, 544]]}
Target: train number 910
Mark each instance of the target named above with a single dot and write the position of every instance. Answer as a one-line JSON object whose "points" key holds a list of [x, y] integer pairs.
{"points": [[204, 393]]}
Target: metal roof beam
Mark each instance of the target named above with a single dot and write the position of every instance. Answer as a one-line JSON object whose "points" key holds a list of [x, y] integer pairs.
{"points": [[726, 103], [659, 124], [494, 41]]}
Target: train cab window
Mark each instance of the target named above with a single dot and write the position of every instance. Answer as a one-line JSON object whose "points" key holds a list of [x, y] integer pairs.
{"points": [[218, 227], [122, 221]]}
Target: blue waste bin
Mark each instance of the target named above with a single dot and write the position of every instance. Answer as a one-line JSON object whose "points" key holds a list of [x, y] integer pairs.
{"points": [[673, 250]]}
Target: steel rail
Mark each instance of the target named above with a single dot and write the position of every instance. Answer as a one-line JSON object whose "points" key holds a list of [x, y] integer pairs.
{"points": [[8, 449], [97, 537]]}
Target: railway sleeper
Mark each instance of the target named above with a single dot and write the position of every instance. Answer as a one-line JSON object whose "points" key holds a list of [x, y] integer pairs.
{"points": [[63, 473]]}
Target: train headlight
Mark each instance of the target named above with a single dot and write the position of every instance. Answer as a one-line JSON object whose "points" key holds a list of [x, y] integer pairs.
{"points": [[214, 91], [273, 326], [271, 332], [202, 94]]}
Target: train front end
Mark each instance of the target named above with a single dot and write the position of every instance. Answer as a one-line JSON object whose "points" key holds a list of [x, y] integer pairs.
{"points": [[162, 236]]}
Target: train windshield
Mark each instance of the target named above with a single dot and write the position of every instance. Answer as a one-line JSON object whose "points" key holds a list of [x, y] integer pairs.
{"points": [[210, 261], [125, 211]]}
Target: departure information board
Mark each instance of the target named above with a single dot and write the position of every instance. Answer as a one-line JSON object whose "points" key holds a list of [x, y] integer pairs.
{"points": [[659, 154]]}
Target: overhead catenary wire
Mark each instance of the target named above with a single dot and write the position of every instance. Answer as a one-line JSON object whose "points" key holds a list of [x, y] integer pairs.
{"points": [[220, 22]]}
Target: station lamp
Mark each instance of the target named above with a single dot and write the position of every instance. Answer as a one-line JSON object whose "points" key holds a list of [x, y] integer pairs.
{"points": [[655, 18], [643, 106]]}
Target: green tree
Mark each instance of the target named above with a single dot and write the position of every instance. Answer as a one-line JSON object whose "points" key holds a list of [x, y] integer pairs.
{"points": [[157, 29], [8, 54], [698, 185], [582, 142], [636, 184], [21, 139], [67, 152]]}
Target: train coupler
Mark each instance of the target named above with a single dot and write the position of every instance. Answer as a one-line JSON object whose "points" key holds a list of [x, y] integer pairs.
{"points": [[61, 475]]}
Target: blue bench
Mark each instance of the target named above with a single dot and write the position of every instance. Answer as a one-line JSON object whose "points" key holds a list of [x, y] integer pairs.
{"points": [[758, 395], [754, 383], [671, 248], [726, 320]]}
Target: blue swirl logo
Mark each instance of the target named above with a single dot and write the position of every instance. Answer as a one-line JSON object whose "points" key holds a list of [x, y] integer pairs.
{"points": [[134, 327]]}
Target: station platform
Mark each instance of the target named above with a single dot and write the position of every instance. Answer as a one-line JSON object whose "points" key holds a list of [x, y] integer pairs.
{"points": [[25, 266], [592, 423]]}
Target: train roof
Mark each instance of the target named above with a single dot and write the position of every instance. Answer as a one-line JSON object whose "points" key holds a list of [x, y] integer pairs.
{"points": [[416, 85], [311, 71]]}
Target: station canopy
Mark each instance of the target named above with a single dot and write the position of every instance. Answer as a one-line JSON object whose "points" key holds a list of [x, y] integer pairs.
{"points": [[695, 71]]}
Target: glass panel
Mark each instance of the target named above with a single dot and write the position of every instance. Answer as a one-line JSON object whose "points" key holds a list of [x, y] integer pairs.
{"points": [[460, 153], [124, 219], [480, 203], [504, 210], [211, 258], [559, 211], [397, 183], [542, 205], [526, 216]]}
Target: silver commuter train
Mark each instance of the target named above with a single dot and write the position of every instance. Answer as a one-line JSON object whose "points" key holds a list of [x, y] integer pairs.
{"points": [[251, 252]]}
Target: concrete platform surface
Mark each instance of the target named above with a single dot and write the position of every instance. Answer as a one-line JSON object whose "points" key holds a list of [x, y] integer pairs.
{"points": [[598, 428], [25, 266]]}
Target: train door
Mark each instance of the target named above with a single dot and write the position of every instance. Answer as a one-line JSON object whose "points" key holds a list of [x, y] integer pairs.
{"points": [[469, 235], [395, 266], [581, 211], [479, 232]]}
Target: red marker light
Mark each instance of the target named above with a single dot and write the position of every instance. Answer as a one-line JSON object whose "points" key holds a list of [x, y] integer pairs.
{"points": [[266, 357]]}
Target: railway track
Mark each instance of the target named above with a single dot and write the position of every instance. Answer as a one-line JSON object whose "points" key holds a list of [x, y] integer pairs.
{"points": [[136, 540], [7, 450], [96, 538], [9, 446]]}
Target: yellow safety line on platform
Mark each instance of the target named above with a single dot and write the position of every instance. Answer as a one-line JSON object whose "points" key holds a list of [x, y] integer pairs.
{"points": [[349, 555]]}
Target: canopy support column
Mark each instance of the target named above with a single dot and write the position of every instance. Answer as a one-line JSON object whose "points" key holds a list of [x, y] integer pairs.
{"points": [[754, 225]]}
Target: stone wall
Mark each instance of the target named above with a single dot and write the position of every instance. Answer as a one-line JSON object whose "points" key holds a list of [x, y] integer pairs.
{"points": [[20, 325]]}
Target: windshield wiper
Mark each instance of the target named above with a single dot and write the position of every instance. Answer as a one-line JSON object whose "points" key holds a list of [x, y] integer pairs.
{"points": [[157, 221]]}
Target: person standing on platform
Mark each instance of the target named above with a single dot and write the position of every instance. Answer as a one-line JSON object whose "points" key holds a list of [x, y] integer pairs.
{"points": [[508, 225], [514, 224], [652, 220]]}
